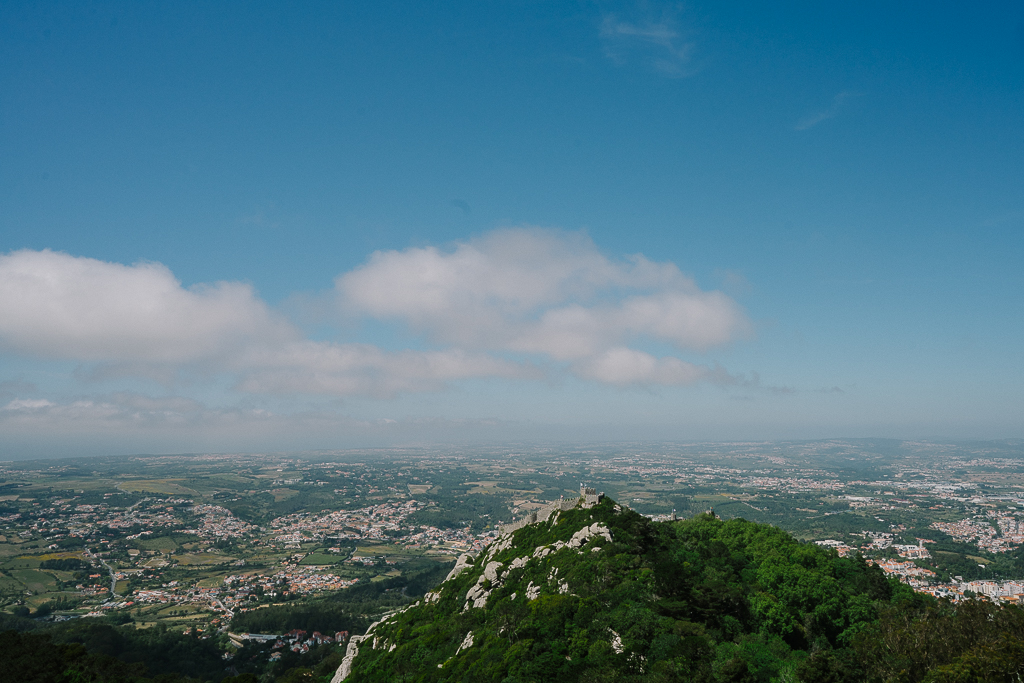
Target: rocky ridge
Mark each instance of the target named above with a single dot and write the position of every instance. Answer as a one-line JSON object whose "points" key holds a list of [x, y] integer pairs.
{"points": [[492, 575]]}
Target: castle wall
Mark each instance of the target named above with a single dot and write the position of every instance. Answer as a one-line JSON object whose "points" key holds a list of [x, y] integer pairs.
{"points": [[588, 498], [541, 515]]}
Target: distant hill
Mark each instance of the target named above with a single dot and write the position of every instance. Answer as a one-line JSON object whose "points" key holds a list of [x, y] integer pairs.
{"points": [[604, 594]]}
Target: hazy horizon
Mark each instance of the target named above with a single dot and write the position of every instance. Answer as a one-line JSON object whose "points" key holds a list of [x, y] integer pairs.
{"points": [[710, 450]]}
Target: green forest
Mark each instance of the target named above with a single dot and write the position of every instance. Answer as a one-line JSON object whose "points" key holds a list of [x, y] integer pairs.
{"points": [[695, 600]]}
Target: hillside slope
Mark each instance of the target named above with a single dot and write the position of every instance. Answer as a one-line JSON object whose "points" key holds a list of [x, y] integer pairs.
{"points": [[605, 594]]}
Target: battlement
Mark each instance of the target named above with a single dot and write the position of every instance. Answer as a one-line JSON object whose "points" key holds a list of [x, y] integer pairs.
{"points": [[589, 497], [541, 515]]}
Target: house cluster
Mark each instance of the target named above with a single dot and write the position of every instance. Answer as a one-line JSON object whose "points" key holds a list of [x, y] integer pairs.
{"points": [[665, 517], [1005, 591], [373, 522], [880, 540], [238, 589], [907, 572], [1010, 528], [461, 540], [97, 585], [297, 640], [1011, 592], [913, 552], [309, 579], [985, 532], [921, 580], [293, 578], [793, 484], [153, 596], [218, 522], [838, 546], [64, 519]]}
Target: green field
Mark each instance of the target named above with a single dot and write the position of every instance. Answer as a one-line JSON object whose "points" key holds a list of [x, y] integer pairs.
{"points": [[35, 580], [9, 584], [212, 581], [10, 550], [164, 544], [283, 494], [22, 563]]}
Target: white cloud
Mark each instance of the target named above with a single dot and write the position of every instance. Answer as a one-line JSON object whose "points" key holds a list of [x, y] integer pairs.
{"points": [[624, 366], [687, 319], [542, 292], [503, 273], [59, 306], [20, 404]]}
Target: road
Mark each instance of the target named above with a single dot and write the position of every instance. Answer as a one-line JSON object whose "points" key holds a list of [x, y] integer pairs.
{"points": [[113, 578], [217, 604]]}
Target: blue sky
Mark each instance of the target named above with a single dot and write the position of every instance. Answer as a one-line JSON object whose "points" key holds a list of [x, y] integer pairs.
{"points": [[256, 226]]}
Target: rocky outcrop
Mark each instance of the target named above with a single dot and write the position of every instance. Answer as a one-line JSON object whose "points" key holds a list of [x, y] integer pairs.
{"points": [[352, 651], [465, 561], [481, 590]]}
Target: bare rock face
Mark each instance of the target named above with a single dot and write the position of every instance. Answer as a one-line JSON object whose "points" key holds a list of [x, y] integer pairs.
{"points": [[593, 531], [352, 651], [346, 664], [465, 561], [478, 594]]}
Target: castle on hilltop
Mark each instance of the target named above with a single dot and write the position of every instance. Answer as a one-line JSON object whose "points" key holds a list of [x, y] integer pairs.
{"points": [[589, 497]]}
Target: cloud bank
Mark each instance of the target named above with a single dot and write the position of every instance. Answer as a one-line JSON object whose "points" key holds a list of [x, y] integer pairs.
{"points": [[552, 295], [515, 304]]}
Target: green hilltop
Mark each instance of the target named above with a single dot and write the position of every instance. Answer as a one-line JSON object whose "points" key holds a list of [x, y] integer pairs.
{"points": [[602, 593]]}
